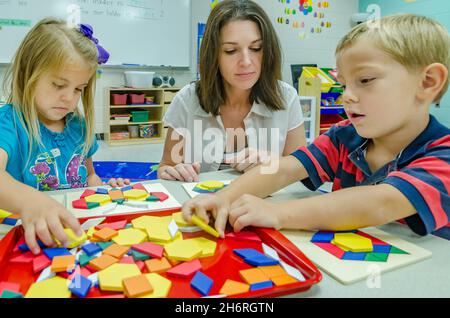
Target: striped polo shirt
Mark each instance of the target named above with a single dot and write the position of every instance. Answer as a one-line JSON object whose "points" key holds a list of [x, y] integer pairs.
{"points": [[421, 171]]}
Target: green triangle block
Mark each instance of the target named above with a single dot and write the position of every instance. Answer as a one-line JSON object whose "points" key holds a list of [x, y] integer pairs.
{"points": [[376, 257], [9, 294], [152, 199], [128, 226], [85, 259], [139, 256], [119, 201], [104, 245], [395, 250], [92, 205]]}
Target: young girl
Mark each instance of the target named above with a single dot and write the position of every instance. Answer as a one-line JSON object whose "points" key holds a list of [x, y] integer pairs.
{"points": [[46, 142]]}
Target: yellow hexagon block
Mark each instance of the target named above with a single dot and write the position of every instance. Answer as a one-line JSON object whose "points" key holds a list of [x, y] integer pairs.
{"points": [[178, 217], [101, 199], [129, 237], [161, 286], [159, 233], [208, 247], [55, 287], [74, 241], [146, 221], [111, 278], [212, 185], [178, 237], [353, 242], [135, 194], [185, 250]]}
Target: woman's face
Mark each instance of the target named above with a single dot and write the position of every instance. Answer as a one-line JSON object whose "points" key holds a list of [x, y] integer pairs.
{"points": [[241, 54]]}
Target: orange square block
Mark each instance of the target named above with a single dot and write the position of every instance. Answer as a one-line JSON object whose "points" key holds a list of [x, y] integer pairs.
{"points": [[137, 286], [283, 280], [116, 250], [158, 265], [102, 262], [116, 195], [253, 276], [105, 234], [63, 263], [273, 271], [232, 287]]}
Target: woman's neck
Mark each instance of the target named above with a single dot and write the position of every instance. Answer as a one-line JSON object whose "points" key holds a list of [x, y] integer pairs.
{"points": [[237, 98]]}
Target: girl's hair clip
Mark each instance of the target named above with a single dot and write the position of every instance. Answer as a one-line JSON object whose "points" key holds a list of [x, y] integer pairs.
{"points": [[88, 31]]}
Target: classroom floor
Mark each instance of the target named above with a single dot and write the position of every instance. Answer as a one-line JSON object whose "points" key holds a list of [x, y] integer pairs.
{"points": [[136, 153]]}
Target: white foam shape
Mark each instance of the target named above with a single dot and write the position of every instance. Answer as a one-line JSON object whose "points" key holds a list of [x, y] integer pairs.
{"points": [[270, 251], [173, 228], [292, 271], [91, 223], [46, 274]]}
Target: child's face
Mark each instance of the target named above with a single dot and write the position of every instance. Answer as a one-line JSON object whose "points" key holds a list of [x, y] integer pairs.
{"points": [[380, 93], [58, 94], [241, 54]]}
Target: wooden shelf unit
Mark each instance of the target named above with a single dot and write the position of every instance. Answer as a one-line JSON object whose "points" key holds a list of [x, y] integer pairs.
{"points": [[162, 98]]}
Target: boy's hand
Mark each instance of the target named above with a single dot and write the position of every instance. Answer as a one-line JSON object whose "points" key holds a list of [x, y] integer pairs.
{"points": [[119, 182], [181, 172], [47, 219], [247, 158], [249, 210], [204, 204]]}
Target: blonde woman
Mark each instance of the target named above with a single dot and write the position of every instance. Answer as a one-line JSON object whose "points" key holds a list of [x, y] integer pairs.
{"points": [[239, 113], [46, 143]]}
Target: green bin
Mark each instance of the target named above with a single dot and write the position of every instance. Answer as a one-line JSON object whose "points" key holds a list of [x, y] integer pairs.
{"points": [[140, 116]]}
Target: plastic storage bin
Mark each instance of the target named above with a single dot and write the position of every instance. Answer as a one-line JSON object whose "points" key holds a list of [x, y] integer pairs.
{"points": [[139, 116], [137, 99], [119, 99], [139, 79], [148, 131], [134, 131]]}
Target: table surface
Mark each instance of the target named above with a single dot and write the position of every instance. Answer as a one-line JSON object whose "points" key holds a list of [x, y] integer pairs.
{"points": [[429, 278]]}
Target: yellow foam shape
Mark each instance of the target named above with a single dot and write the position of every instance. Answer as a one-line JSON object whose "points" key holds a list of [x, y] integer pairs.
{"points": [[146, 221], [178, 237], [341, 247], [101, 199], [178, 217], [208, 247], [135, 194], [111, 278], [90, 232], [212, 185], [161, 286], [205, 227], [129, 237], [185, 250], [55, 287], [74, 241], [353, 242], [4, 214], [159, 233]]}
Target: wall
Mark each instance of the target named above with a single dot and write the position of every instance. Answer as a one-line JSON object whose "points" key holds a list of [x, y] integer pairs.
{"points": [[436, 9], [318, 49]]}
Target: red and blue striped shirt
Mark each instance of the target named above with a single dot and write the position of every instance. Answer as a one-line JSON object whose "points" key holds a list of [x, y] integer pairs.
{"points": [[421, 171]]}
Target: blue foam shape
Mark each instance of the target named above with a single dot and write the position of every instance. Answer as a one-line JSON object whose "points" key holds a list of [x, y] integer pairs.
{"points": [[24, 247], [102, 191], [202, 283], [354, 256], [91, 249], [202, 191], [10, 221], [322, 237], [261, 285], [126, 188], [56, 251], [381, 249], [247, 252], [80, 286], [261, 260]]}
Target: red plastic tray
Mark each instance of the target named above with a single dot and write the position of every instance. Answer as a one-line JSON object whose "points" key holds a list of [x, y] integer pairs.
{"points": [[220, 267]]}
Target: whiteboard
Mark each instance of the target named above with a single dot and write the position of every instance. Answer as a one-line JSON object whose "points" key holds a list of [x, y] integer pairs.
{"points": [[138, 32]]}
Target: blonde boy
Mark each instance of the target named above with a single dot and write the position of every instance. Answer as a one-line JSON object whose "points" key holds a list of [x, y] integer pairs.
{"points": [[389, 161]]}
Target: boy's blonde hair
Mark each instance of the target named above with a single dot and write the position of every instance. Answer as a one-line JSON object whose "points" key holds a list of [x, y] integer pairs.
{"points": [[412, 40], [49, 47]]}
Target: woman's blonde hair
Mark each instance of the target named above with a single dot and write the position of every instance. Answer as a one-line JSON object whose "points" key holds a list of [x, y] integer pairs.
{"points": [[210, 89], [50, 46], [412, 40]]}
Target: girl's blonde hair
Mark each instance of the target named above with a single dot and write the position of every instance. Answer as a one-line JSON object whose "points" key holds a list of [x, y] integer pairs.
{"points": [[49, 47], [412, 40]]}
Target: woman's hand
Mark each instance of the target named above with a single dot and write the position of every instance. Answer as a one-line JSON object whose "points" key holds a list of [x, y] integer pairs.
{"points": [[46, 219], [206, 204], [181, 172]]}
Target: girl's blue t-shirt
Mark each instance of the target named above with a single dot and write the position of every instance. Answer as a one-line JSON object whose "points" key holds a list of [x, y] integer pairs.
{"points": [[55, 166]]}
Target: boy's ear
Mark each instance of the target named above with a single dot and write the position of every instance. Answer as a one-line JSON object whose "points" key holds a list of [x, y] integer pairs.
{"points": [[433, 79]]}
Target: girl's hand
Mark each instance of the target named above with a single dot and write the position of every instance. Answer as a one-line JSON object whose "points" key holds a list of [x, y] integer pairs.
{"points": [[46, 219], [206, 204], [249, 210], [247, 159], [181, 172], [119, 182]]}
